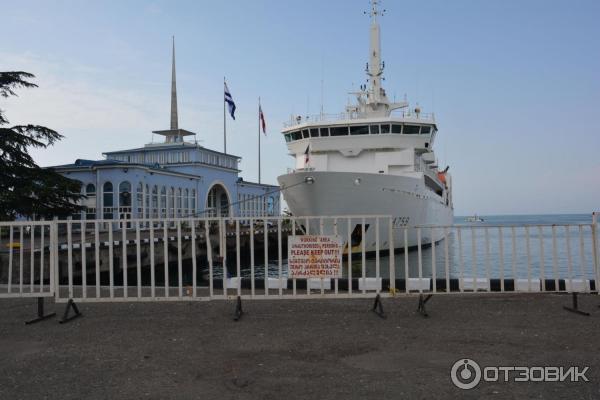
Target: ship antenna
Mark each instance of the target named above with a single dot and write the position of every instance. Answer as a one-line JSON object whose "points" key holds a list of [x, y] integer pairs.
{"points": [[375, 66]]}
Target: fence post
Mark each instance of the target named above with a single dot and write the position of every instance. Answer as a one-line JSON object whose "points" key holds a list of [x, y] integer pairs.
{"points": [[595, 249], [391, 258], [53, 266]]}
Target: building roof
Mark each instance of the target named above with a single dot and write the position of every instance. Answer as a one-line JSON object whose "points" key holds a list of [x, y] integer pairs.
{"points": [[174, 132], [241, 181], [79, 163], [91, 164], [163, 146]]}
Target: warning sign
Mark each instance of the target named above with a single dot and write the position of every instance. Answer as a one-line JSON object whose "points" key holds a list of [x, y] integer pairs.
{"points": [[311, 256]]}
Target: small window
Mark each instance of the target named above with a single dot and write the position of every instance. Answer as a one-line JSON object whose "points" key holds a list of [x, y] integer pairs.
{"points": [[304, 133], [425, 129], [411, 129], [339, 131], [314, 132], [396, 128], [385, 128], [324, 131], [374, 129], [296, 135], [359, 130]]}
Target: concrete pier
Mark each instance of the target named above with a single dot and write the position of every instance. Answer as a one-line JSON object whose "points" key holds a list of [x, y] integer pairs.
{"points": [[295, 349]]}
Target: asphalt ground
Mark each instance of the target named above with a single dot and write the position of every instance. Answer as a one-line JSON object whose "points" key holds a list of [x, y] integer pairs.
{"points": [[296, 349]]}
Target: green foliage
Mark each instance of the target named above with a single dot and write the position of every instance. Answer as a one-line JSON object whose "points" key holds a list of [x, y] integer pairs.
{"points": [[25, 188]]}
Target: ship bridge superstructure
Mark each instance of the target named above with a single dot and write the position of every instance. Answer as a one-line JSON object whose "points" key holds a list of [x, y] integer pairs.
{"points": [[373, 135]]}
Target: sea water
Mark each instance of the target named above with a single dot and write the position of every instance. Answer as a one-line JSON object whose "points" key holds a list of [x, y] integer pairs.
{"points": [[550, 249]]}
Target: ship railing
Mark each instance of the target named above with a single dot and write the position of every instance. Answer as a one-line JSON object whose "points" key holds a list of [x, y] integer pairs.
{"points": [[411, 114], [329, 118], [362, 256], [298, 120]]}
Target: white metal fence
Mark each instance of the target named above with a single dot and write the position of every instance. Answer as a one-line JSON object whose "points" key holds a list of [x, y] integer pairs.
{"points": [[223, 258], [27, 259]]}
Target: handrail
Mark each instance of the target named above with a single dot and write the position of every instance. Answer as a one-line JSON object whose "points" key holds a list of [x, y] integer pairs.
{"points": [[328, 118]]}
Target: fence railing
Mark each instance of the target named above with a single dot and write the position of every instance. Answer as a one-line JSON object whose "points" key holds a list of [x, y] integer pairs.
{"points": [[28, 259], [223, 258]]}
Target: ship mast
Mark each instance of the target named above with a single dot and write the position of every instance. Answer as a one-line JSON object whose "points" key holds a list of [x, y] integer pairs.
{"points": [[376, 95], [372, 100]]}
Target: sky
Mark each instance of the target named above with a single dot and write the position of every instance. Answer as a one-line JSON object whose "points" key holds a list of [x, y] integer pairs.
{"points": [[514, 84]]}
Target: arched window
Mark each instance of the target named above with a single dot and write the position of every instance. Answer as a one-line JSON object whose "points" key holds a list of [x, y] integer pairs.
{"points": [[154, 201], [186, 202], [107, 200], [90, 201], [140, 200], [125, 194], [171, 200], [178, 202], [147, 196], [124, 200], [163, 202], [193, 201], [211, 203]]}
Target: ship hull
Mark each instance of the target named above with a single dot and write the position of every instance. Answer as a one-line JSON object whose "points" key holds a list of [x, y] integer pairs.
{"points": [[404, 198]]}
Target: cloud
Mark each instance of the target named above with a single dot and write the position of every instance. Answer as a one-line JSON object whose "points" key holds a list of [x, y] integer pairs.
{"points": [[67, 98], [89, 114]]}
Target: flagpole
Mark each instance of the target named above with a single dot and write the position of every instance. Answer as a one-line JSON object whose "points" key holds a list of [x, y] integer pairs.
{"points": [[224, 121], [259, 139]]}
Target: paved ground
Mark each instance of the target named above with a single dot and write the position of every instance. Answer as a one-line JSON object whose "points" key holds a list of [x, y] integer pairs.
{"points": [[295, 349]]}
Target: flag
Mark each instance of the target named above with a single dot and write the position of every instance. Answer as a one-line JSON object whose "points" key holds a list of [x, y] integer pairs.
{"points": [[229, 101], [261, 116], [307, 155]]}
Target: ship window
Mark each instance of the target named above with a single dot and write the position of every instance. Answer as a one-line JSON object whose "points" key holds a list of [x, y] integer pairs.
{"points": [[359, 130], [314, 132], [339, 131], [425, 129], [288, 137], [374, 129], [411, 129], [305, 133], [296, 135], [396, 128], [385, 128], [324, 131]]}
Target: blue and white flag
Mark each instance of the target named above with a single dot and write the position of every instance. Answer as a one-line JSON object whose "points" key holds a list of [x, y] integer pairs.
{"points": [[229, 101]]}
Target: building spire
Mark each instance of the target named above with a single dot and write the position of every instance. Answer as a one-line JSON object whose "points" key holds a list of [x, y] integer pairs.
{"points": [[174, 119], [174, 135]]}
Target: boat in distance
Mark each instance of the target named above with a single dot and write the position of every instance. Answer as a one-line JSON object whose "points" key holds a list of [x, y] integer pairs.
{"points": [[376, 158], [474, 218]]}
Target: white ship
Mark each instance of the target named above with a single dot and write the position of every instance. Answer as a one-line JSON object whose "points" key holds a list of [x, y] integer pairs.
{"points": [[375, 158], [474, 218]]}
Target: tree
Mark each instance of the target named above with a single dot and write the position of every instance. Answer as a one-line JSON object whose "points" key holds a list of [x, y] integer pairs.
{"points": [[26, 189]]}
